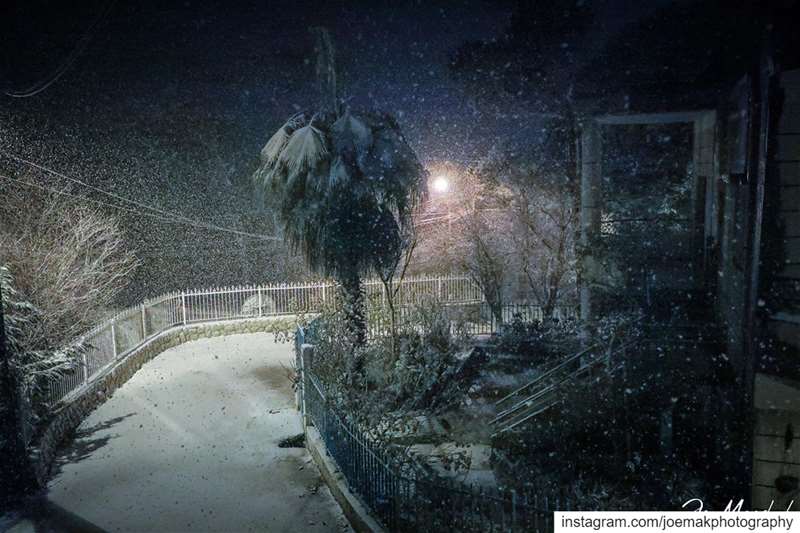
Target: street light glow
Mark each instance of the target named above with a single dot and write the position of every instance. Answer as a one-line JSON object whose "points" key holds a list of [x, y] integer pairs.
{"points": [[441, 184]]}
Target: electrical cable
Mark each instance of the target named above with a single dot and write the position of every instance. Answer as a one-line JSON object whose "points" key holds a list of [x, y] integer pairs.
{"points": [[79, 48], [162, 212], [168, 220]]}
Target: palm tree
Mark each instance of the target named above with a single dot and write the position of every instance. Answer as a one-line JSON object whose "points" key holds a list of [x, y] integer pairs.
{"points": [[343, 185]]}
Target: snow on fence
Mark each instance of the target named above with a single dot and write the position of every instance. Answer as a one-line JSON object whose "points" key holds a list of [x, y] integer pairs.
{"points": [[401, 500], [129, 329], [470, 317]]}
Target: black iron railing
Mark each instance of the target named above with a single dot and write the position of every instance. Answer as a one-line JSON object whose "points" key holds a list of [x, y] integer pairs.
{"points": [[398, 496]]}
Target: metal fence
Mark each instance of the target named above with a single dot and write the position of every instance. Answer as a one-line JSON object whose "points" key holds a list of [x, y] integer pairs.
{"points": [[400, 501], [470, 317], [130, 328], [403, 501]]}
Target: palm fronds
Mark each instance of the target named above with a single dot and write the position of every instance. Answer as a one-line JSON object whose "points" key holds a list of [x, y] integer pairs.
{"points": [[275, 145], [304, 150], [352, 134], [344, 187]]}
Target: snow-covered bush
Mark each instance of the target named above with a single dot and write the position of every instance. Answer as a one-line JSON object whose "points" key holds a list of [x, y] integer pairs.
{"points": [[258, 305], [539, 340], [338, 361], [369, 380], [34, 368], [68, 259]]}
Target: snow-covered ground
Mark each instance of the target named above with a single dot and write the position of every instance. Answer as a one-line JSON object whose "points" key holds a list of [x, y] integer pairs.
{"points": [[190, 444]]}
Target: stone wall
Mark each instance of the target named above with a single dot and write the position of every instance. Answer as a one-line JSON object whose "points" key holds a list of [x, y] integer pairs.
{"points": [[68, 416]]}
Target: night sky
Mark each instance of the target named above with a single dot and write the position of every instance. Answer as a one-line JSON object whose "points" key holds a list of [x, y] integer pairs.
{"points": [[251, 63], [170, 102]]}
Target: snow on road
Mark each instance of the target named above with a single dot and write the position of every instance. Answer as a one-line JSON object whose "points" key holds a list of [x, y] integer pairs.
{"points": [[190, 444]]}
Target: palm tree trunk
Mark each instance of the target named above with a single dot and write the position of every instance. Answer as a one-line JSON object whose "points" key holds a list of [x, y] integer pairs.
{"points": [[326, 69], [353, 298]]}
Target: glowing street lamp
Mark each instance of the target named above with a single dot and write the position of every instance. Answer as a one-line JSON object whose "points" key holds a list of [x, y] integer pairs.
{"points": [[441, 184]]}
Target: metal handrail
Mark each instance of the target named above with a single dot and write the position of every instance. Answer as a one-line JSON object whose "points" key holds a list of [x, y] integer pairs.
{"points": [[527, 401], [547, 374]]}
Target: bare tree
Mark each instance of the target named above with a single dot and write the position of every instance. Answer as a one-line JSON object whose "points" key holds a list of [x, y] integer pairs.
{"points": [[510, 225], [475, 237], [392, 276], [544, 218], [485, 260], [68, 259], [545, 225]]}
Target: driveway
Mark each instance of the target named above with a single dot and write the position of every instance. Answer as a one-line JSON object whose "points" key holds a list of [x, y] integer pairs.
{"points": [[190, 443]]}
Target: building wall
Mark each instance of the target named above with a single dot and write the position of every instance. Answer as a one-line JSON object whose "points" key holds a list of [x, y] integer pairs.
{"points": [[776, 446], [776, 452], [785, 322]]}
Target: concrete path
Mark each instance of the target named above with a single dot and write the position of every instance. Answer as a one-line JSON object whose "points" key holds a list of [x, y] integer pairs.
{"points": [[190, 444]]}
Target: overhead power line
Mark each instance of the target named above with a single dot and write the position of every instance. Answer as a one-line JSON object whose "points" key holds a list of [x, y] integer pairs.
{"points": [[167, 220], [80, 197], [64, 66], [134, 211], [154, 212], [90, 186]]}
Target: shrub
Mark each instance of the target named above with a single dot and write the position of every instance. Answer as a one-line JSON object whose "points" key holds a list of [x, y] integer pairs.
{"points": [[368, 380], [34, 369], [603, 444], [539, 340], [64, 263], [68, 259]]}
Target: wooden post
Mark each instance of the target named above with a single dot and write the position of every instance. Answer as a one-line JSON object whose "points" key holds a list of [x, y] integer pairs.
{"points": [[144, 323], [513, 508], [703, 191]]}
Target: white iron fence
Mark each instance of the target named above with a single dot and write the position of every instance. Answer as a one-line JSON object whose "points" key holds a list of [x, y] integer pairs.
{"points": [[130, 328]]}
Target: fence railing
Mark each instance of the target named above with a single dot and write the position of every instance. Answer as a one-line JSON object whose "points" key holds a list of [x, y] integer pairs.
{"points": [[403, 501], [124, 332], [470, 317]]}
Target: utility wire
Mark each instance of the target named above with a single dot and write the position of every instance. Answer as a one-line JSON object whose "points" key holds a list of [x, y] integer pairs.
{"points": [[90, 186], [167, 214], [167, 220], [77, 196], [79, 48]]}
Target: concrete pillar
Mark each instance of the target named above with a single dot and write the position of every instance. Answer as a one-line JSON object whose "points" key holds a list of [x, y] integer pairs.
{"points": [[591, 208]]}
